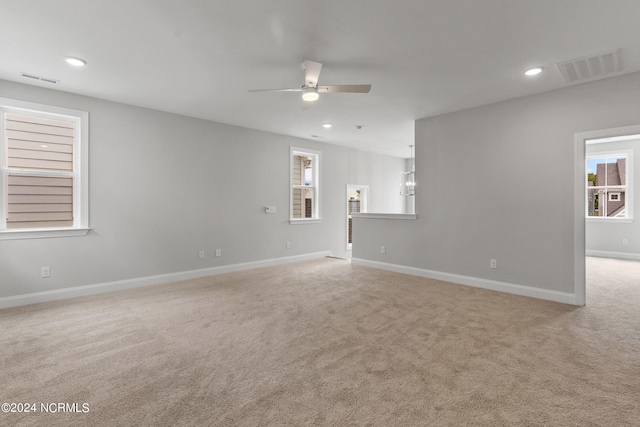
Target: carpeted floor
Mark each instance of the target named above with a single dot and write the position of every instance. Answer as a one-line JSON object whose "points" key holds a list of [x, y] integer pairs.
{"points": [[328, 343]]}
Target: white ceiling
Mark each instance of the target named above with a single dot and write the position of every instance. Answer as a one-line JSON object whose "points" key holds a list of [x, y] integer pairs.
{"points": [[423, 57]]}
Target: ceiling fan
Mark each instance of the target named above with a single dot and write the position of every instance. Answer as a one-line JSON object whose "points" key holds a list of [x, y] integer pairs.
{"points": [[310, 90]]}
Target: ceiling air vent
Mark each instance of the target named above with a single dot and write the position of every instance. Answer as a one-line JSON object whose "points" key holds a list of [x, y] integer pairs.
{"points": [[590, 67], [40, 78]]}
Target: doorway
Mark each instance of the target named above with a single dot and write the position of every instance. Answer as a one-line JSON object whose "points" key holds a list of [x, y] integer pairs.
{"points": [[605, 184], [357, 200]]}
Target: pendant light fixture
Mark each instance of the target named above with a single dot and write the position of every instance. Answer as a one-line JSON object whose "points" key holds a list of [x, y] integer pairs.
{"points": [[408, 179]]}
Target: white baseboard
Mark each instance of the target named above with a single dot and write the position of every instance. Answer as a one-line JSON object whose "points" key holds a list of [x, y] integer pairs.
{"points": [[79, 291], [493, 285], [618, 255]]}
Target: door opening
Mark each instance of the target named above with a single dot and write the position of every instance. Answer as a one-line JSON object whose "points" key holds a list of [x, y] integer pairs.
{"points": [[604, 181]]}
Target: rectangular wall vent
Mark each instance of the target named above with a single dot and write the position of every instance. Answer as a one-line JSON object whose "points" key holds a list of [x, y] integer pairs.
{"points": [[40, 78], [590, 67]]}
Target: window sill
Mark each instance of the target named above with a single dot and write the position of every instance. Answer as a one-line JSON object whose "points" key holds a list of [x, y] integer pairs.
{"points": [[384, 216], [610, 220], [43, 233], [305, 221]]}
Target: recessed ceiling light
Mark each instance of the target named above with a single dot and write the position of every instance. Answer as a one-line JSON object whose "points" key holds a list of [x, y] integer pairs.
{"points": [[327, 125], [76, 62], [533, 71]]}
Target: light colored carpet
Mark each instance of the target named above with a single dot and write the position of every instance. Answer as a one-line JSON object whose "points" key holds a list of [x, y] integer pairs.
{"points": [[327, 343]]}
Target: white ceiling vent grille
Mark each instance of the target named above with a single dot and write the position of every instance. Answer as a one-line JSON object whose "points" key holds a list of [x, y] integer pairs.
{"points": [[40, 78], [590, 67]]}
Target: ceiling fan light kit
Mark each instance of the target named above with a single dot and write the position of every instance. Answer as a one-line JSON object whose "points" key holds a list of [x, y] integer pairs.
{"points": [[310, 94], [310, 90]]}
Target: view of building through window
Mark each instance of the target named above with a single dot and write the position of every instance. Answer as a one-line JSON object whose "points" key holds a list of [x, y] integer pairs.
{"points": [[38, 170], [607, 186], [305, 184]]}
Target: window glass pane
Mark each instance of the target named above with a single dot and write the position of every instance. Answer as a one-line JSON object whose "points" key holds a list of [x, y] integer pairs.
{"points": [[39, 201], [296, 170], [303, 202], [593, 203], [39, 144], [609, 177], [297, 203], [614, 206], [308, 176]]}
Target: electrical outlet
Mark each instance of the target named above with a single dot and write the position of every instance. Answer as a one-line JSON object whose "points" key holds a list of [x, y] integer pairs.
{"points": [[493, 263], [201, 254], [383, 250], [45, 272], [218, 252], [288, 245], [625, 241]]}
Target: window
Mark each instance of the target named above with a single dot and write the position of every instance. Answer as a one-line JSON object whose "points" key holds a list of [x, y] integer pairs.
{"points": [[607, 186], [305, 185], [44, 172]]}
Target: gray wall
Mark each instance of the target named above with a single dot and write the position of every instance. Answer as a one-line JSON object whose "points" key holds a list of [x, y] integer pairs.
{"points": [[498, 182], [605, 237], [163, 187]]}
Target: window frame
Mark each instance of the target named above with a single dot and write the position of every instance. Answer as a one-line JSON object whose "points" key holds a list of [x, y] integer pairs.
{"points": [[315, 187], [627, 153], [80, 172]]}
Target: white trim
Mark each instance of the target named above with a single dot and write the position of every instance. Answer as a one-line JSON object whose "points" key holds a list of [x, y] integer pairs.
{"points": [[82, 163], [3, 174], [608, 133], [43, 233], [79, 291], [609, 219], [613, 139], [385, 216], [618, 255], [302, 221], [527, 291], [579, 220]]}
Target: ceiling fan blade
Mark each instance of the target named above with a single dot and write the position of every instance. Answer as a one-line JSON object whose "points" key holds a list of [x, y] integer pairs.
{"points": [[345, 88], [311, 73], [299, 89]]}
